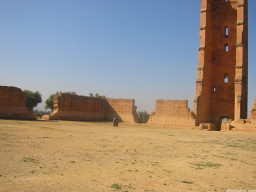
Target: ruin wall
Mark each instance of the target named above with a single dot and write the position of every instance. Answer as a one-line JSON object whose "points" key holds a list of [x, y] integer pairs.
{"points": [[243, 125], [124, 109], [82, 108], [13, 104], [172, 112], [74, 107]]}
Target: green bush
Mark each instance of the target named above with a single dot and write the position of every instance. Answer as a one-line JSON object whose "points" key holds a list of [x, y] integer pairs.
{"points": [[32, 98]]}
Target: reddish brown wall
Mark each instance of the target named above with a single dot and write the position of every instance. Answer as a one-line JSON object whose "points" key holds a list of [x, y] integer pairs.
{"points": [[172, 112], [216, 99], [13, 104], [73, 107]]}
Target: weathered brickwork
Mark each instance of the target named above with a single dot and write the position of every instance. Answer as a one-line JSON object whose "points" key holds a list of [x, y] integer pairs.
{"points": [[222, 81], [13, 104], [124, 109], [245, 125], [73, 107], [172, 112]]}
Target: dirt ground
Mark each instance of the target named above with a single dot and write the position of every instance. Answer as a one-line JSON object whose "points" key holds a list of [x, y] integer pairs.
{"points": [[87, 156]]}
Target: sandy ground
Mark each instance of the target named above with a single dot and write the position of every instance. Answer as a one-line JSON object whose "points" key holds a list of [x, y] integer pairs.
{"points": [[86, 156]]}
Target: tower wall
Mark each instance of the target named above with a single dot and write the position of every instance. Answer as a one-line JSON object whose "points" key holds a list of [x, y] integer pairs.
{"points": [[221, 86]]}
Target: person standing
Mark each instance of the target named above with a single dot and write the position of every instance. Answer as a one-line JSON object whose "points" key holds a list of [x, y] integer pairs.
{"points": [[114, 122]]}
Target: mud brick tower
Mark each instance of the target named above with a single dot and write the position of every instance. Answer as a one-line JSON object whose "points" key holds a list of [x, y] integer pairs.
{"points": [[222, 81]]}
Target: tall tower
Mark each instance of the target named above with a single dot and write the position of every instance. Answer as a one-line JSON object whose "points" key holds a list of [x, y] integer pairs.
{"points": [[222, 81]]}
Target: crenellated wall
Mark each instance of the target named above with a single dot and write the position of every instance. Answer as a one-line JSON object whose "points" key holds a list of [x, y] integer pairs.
{"points": [[74, 107], [13, 104], [172, 112]]}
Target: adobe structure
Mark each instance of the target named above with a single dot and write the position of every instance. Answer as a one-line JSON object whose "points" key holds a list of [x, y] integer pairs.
{"points": [[172, 112], [13, 104], [74, 107], [248, 125], [222, 81]]}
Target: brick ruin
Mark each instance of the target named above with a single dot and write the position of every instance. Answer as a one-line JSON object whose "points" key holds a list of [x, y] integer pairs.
{"points": [[172, 112], [221, 85], [125, 109], [74, 107], [248, 125], [222, 81], [13, 104], [68, 107]]}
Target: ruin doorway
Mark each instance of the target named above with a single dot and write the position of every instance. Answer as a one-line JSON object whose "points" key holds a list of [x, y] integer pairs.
{"points": [[220, 121]]}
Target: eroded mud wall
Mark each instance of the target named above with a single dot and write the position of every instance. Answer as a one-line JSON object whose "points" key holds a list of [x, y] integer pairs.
{"points": [[74, 107], [172, 112], [13, 104]]}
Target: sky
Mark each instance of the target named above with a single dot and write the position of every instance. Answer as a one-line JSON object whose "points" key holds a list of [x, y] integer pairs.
{"points": [[134, 49]]}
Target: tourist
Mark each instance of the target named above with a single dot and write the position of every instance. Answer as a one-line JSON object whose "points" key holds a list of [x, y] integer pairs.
{"points": [[114, 122]]}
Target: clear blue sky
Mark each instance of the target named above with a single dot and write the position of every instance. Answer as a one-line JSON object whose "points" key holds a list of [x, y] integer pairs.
{"points": [[139, 49]]}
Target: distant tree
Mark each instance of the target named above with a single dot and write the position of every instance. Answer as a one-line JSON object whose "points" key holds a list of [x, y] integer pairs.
{"points": [[143, 116], [32, 98], [98, 96], [41, 113], [70, 92], [49, 103]]}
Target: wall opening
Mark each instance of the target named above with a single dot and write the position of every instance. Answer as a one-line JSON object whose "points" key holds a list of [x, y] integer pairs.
{"points": [[224, 120], [226, 48], [226, 31], [221, 121], [226, 78]]}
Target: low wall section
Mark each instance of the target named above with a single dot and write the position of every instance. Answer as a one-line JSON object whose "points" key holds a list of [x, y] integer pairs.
{"points": [[244, 125], [172, 112], [73, 107], [13, 104]]}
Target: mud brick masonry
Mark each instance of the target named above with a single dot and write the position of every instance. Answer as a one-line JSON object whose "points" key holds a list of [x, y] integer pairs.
{"points": [[13, 104], [74, 107], [222, 81], [221, 85], [172, 112]]}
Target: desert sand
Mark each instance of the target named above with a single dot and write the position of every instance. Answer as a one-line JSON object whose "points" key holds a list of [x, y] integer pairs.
{"points": [[97, 157]]}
